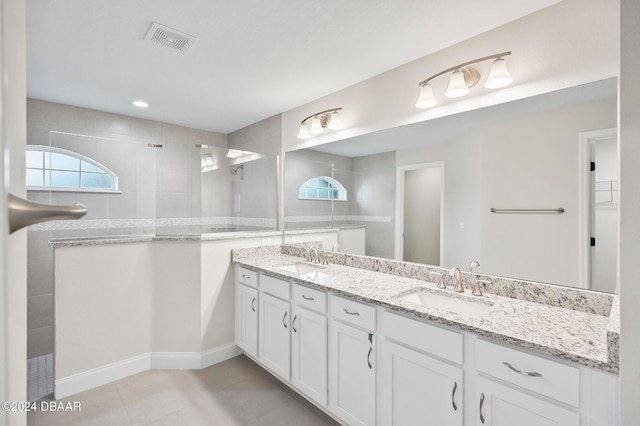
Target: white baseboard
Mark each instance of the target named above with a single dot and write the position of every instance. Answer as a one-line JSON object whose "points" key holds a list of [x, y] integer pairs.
{"points": [[81, 382], [219, 354]]}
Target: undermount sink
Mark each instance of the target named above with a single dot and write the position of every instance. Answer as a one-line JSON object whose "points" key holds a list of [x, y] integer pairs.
{"points": [[301, 268], [462, 306]]}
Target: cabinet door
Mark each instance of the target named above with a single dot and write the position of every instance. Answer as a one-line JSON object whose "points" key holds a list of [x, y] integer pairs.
{"points": [[309, 354], [418, 389], [502, 405], [275, 343], [352, 374], [247, 319]]}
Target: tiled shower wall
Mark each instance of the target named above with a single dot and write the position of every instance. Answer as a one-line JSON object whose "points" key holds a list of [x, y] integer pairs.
{"points": [[154, 183]]}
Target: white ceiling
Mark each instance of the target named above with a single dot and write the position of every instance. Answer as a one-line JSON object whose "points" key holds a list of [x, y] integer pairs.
{"points": [[253, 58]]}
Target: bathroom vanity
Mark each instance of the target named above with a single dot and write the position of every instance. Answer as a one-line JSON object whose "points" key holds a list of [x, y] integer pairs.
{"points": [[372, 341]]}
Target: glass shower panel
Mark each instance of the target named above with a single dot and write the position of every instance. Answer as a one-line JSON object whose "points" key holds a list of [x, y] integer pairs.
{"points": [[238, 190], [348, 212], [118, 191], [178, 184], [300, 209]]}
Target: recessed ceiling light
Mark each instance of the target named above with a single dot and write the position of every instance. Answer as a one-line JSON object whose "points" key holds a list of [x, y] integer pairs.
{"points": [[141, 104]]}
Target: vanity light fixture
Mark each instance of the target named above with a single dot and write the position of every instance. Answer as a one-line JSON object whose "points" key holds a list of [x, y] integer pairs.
{"points": [[316, 123], [141, 104], [463, 77]]}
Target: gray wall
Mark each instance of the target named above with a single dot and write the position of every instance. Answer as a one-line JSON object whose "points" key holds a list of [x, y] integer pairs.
{"points": [[299, 166], [377, 200], [154, 183]]}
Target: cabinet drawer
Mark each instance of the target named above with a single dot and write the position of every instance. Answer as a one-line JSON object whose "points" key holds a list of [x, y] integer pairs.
{"points": [[553, 379], [425, 337], [354, 313], [275, 287], [247, 276], [309, 298]]}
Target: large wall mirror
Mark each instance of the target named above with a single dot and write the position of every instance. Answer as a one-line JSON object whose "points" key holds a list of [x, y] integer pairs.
{"points": [[510, 186]]}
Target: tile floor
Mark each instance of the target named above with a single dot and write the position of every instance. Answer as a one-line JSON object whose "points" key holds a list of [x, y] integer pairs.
{"points": [[234, 392], [39, 377]]}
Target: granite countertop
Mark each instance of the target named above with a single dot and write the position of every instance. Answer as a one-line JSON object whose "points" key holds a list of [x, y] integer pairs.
{"points": [[581, 337], [123, 239]]}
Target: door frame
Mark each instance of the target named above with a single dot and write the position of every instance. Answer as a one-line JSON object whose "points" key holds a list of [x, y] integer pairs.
{"points": [[585, 139], [399, 228]]}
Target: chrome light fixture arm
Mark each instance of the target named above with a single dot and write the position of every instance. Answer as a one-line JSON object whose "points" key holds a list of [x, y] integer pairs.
{"points": [[464, 65]]}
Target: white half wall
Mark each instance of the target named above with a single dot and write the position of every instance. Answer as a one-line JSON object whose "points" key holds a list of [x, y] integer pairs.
{"points": [[124, 308]]}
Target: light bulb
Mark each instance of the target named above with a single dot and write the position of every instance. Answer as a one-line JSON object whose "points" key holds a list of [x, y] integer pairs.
{"points": [[316, 126], [335, 123], [498, 75], [426, 98], [457, 85], [303, 133]]}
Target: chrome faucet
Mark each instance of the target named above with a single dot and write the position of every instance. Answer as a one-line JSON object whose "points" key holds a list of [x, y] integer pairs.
{"points": [[336, 246], [310, 252], [473, 264], [441, 283], [455, 271]]}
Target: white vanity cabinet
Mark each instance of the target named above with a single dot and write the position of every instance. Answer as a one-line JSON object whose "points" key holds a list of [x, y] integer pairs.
{"points": [[554, 388], [274, 326], [417, 387], [368, 365], [517, 387], [246, 318], [502, 405], [352, 374], [309, 343]]}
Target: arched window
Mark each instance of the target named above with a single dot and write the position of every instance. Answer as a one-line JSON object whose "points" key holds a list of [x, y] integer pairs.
{"points": [[61, 170], [322, 188]]}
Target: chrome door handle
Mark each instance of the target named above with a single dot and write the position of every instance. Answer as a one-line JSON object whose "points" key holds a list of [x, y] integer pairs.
{"points": [[307, 297], [293, 324], [481, 404], [351, 313], [369, 357], [453, 396], [524, 373], [24, 213], [252, 306], [284, 318]]}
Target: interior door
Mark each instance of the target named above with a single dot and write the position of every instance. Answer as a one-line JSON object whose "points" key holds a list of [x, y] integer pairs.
{"points": [[13, 254], [604, 213], [4, 302], [422, 214]]}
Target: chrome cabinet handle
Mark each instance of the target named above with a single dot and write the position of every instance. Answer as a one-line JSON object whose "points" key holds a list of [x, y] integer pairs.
{"points": [[253, 308], [246, 276], [293, 324], [351, 313], [369, 357], [481, 404], [524, 373], [307, 297], [453, 396], [24, 213], [284, 318]]}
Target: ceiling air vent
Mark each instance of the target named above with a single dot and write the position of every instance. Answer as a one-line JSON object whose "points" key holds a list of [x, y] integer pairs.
{"points": [[170, 37]]}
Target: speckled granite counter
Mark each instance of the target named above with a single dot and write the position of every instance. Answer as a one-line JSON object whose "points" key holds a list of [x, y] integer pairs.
{"points": [[587, 338], [124, 239]]}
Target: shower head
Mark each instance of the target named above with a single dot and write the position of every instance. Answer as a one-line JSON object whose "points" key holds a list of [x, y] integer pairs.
{"points": [[235, 171]]}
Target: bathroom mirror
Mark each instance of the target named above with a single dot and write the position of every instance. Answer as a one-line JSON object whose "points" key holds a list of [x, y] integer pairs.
{"points": [[425, 192]]}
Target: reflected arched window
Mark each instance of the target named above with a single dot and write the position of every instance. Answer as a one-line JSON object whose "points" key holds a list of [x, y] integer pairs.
{"points": [[53, 168], [322, 188]]}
